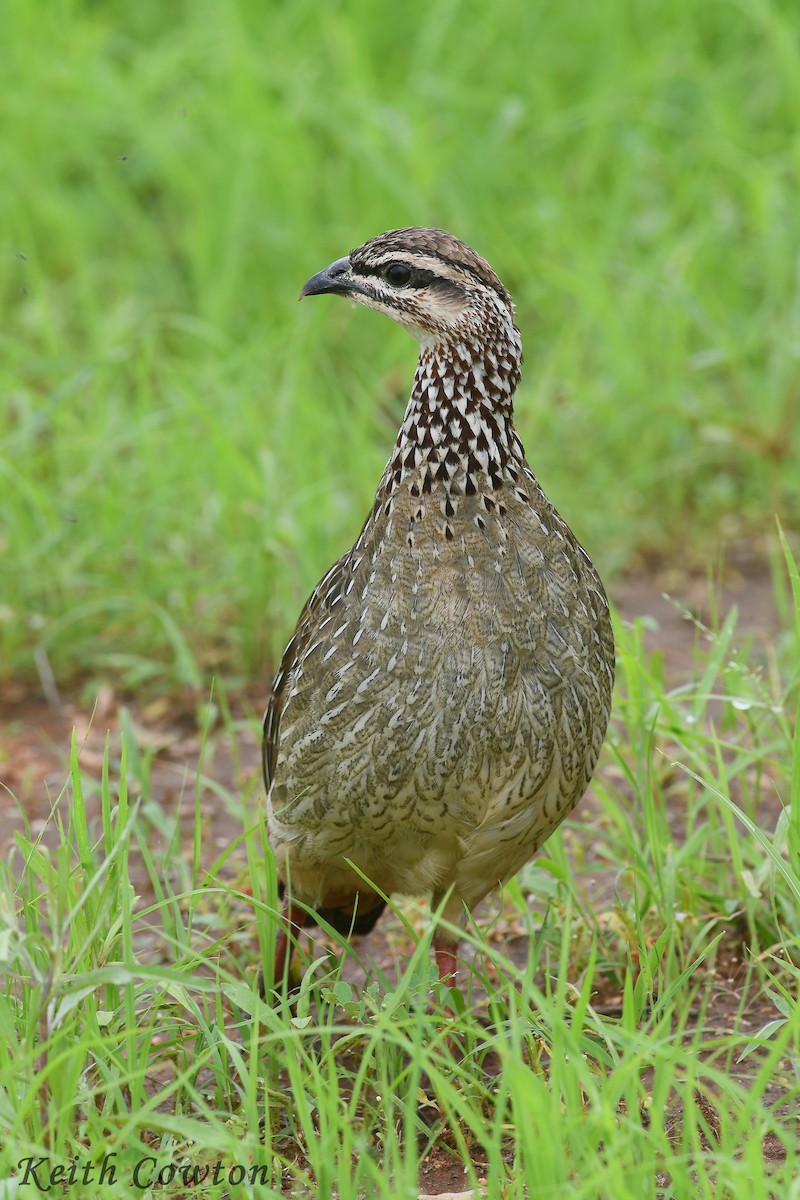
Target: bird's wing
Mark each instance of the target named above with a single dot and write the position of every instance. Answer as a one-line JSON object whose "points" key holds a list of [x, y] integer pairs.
{"points": [[327, 592]]}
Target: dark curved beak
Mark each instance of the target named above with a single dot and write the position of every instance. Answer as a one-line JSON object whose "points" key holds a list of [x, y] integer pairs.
{"points": [[335, 279]]}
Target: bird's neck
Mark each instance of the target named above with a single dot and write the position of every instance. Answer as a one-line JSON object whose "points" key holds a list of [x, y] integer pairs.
{"points": [[458, 431]]}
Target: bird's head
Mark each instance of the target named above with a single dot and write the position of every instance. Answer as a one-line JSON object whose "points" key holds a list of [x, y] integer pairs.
{"points": [[426, 280]]}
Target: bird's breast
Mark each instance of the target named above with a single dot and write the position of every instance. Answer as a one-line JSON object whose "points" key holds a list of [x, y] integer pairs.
{"points": [[447, 674]]}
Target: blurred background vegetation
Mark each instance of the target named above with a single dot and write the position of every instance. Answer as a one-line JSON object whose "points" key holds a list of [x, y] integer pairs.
{"points": [[183, 450]]}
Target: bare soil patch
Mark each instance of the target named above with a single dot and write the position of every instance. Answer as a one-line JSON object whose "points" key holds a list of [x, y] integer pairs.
{"points": [[35, 734]]}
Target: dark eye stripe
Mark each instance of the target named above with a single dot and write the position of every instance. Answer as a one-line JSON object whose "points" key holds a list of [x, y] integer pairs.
{"points": [[424, 276], [418, 277]]}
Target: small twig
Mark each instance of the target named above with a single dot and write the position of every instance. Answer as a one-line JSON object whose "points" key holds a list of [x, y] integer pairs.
{"points": [[47, 679]]}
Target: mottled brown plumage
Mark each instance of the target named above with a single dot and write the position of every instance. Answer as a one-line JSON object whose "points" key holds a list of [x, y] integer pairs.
{"points": [[441, 705]]}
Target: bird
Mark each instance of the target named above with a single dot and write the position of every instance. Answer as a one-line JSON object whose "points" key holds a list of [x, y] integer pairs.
{"points": [[441, 705]]}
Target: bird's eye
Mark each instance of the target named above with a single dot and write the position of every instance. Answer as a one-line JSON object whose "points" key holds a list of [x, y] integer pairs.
{"points": [[397, 274]]}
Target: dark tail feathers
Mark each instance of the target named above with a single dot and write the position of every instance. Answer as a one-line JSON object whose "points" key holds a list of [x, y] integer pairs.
{"points": [[342, 919]]}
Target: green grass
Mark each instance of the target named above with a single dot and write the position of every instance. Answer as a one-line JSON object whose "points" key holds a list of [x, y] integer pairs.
{"points": [[130, 1023], [183, 451]]}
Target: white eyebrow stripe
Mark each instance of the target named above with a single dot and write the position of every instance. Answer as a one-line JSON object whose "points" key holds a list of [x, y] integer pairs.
{"points": [[424, 262]]}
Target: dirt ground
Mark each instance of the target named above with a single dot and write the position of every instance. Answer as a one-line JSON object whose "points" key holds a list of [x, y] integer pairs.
{"points": [[35, 735], [35, 730]]}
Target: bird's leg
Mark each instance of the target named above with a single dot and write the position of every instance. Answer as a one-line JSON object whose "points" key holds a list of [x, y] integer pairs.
{"points": [[287, 934], [445, 954]]}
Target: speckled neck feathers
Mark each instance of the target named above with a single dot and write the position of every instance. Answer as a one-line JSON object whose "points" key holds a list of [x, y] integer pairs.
{"points": [[457, 437]]}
